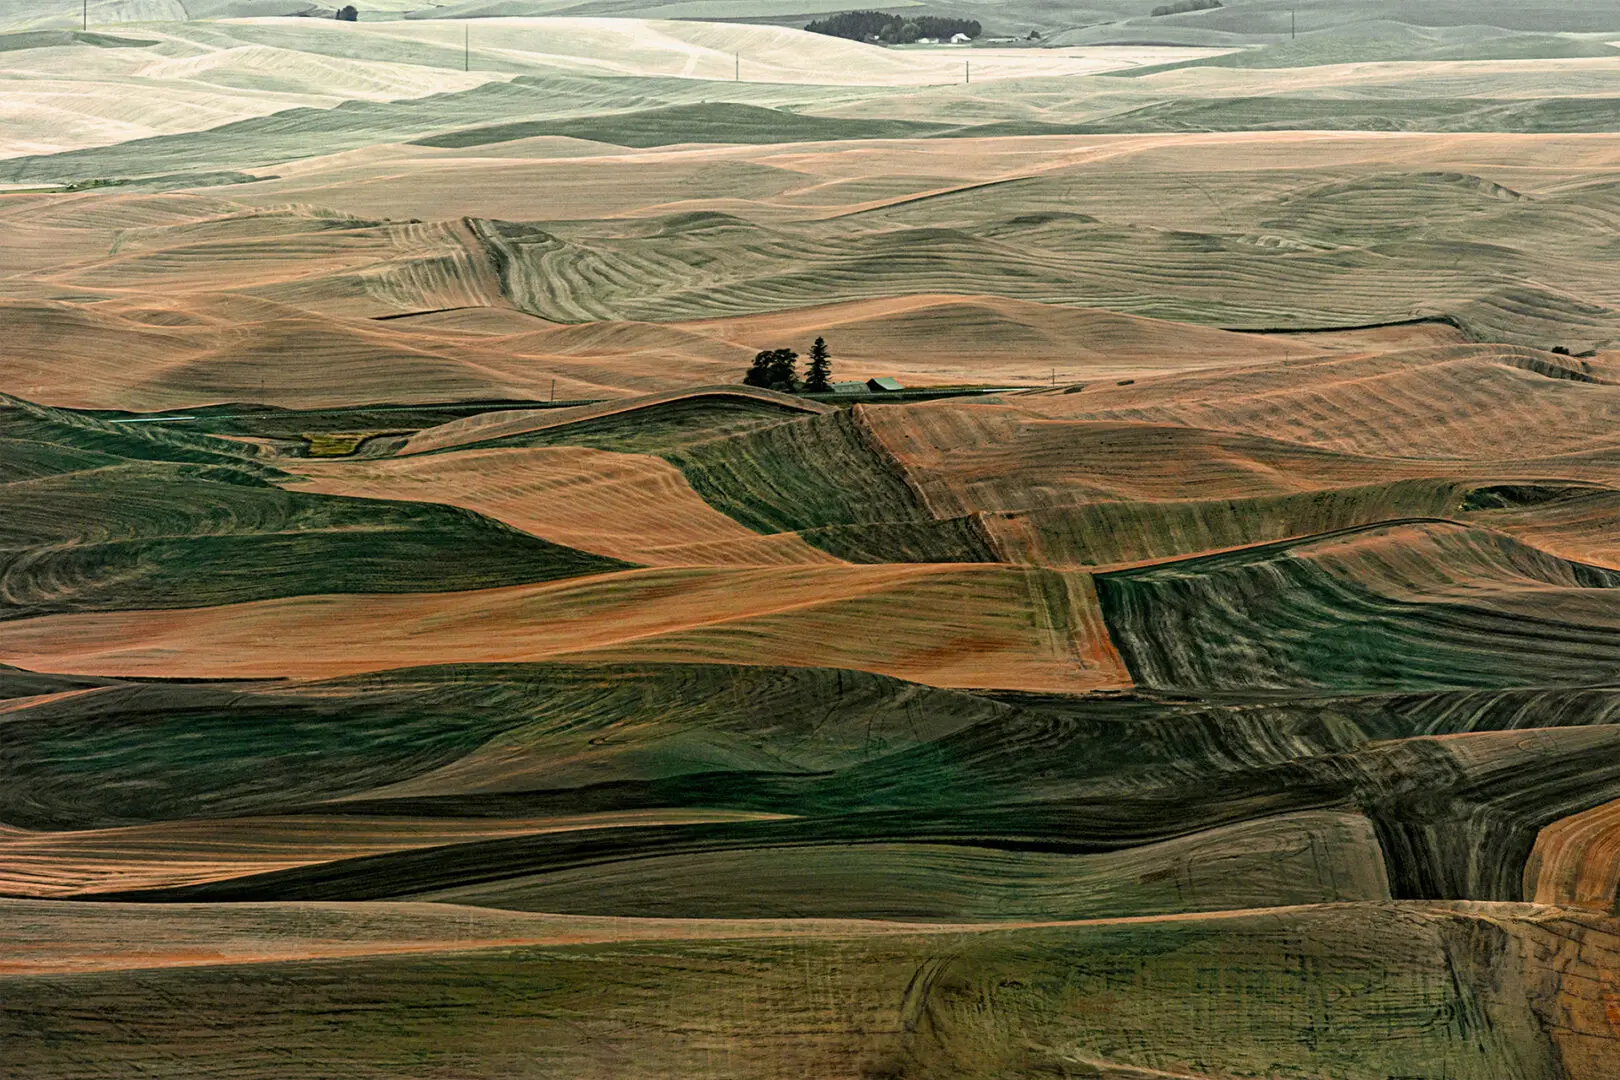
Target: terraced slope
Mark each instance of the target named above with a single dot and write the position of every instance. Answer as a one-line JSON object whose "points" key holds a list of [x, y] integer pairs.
{"points": [[474, 1006], [651, 422], [1028, 628], [1415, 605], [104, 516], [1464, 402], [627, 506], [720, 122], [134, 280], [1119, 532]]}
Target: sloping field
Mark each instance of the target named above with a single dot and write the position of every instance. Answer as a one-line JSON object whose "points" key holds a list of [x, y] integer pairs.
{"points": [[1007, 459], [1291, 859], [816, 247], [630, 419], [1015, 340], [1464, 402], [1063, 224], [697, 50], [171, 854], [629, 506], [75, 91], [1148, 983], [1575, 523], [1112, 532], [1024, 628], [421, 656], [1393, 607], [104, 516]]}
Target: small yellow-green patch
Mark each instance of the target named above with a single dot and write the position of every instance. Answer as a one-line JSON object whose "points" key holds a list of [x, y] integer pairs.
{"points": [[336, 443]]}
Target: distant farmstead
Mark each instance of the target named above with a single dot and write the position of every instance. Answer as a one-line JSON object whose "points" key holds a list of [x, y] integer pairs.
{"points": [[884, 385], [849, 388]]}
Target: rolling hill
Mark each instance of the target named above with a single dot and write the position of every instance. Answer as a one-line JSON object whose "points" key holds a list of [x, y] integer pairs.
{"points": [[421, 655]]}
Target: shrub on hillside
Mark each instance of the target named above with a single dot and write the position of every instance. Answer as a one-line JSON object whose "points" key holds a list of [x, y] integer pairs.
{"points": [[774, 369]]}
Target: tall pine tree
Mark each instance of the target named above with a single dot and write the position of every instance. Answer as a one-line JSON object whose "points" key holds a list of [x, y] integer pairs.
{"points": [[818, 380]]}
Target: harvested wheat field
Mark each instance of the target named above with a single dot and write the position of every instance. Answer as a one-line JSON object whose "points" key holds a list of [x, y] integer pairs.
{"points": [[444, 634]]}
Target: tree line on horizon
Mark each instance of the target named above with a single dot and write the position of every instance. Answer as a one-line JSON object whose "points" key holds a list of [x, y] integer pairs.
{"points": [[880, 26], [778, 369], [1182, 7]]}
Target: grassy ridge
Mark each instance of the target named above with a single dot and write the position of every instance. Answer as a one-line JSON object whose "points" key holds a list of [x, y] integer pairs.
{"points": [[1299, 858], [1443, 245], [157, 536], [1394, 607], [1104, 533], [104, 516], [658, 429], [63, 759], [659, 112], [711, 122], [810, 474], [1283, 113], [1333, 991], [1394, 42], [586, 102], [927, 803], [42, 440], [826, 478]]}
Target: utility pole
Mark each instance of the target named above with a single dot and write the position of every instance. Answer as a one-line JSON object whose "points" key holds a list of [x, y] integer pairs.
{"points": [[466, 46], [554, 391], [1293, 26], [86, 14], [736, 71], [967, 71]]}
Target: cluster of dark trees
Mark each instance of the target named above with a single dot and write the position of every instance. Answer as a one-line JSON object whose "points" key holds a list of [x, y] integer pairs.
{"points": [[347, 13], [778, 369], [892, 29], [1182, 6]]}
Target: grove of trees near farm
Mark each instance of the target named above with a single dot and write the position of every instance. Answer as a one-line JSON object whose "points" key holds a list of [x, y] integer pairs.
{"points": [[889, 29]]}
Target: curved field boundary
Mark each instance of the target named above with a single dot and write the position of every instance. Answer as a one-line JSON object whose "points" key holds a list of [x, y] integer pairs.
{"points": [[1118, 534], [602, 501], [1413, 604], [486, 427], [964, 625], [170, 854], [1576, 861], [1246, 552]]}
